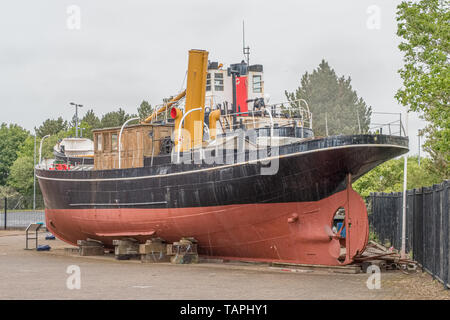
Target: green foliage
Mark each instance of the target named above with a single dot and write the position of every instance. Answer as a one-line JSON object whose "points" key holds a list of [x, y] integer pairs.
{"points": [[7, 192], [11, 137], [26, 149], [388, 177], [115, 118], [21, 177], [327, 94], [84, 131], [50, 142], [373, 236], [88, 122], [144, 110], [91, 119], [51, 127], [17, 145], [424, 27]]}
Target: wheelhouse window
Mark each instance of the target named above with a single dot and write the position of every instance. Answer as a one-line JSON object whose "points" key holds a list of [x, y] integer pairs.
{"points": [[257, 84], [99, 142], [208, 82], [106, 142], [114, 142], [218, 82]]}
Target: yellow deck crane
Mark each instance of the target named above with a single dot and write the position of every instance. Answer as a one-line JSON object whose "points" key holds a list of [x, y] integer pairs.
{"points": [[166, 106], [192, 135]]}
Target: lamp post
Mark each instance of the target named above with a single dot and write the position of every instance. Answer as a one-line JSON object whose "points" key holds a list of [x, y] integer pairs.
{"points": [[405, 175], [418, 135], [76, 116], [34, 172]]}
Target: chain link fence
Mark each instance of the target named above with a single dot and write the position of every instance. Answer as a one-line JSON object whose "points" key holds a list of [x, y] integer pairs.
{"points": [[19, 211], [427, 225]]}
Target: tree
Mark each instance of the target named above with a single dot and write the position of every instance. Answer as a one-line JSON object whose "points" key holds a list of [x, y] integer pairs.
{"points": [[51, 127], [84, 131], [91, 121], [21, 177], [85, 125], [7, 192], [388, 177], [424, 29], [114, 118], [333, 98], [144, 110], [11, 137], [50, 142]]}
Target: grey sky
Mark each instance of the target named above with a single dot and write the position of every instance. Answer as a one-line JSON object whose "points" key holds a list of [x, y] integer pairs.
{"points": [[127, 51]]}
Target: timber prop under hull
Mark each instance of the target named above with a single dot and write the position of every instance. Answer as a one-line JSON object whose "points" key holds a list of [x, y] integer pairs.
{"points": [[232, 210]]}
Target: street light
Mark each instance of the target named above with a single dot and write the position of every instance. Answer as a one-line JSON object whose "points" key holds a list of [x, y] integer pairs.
{"points": [[34, 172], [76, 116], [405, 175], [419, 134]]}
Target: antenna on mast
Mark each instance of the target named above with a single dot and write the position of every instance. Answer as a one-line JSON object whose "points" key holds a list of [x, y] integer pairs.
{"points": [[245, 50]]}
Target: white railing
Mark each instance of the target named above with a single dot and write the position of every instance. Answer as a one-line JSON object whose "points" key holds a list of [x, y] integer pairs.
{"points": [[120, 139]]}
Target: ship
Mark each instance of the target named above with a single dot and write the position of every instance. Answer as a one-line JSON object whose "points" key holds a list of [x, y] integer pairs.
{"points": [[217, 162], [75, 151]]}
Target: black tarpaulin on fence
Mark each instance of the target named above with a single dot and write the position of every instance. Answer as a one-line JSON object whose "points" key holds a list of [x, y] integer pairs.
{"points": [[427, 225]]}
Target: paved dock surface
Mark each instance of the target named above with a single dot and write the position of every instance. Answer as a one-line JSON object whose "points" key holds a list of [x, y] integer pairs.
{"points": [[28, 274]]}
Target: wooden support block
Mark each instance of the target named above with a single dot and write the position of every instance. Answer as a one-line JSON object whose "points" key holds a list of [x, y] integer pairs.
{"points": [[155, 257], [90, 247], [169, 249], [188, 240], [125, 242], [90, 243], [125, 249], [71, 251], [183, 248], [184, 258], [152, 247], [92, 251]]}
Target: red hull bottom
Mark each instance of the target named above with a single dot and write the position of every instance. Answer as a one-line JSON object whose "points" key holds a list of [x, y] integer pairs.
{"points": [[295, 232]]}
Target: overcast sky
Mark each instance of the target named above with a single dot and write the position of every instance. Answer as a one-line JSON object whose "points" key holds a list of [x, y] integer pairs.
{"points": [[127, 51]]}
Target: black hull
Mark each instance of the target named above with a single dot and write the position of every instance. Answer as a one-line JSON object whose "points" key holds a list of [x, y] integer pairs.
{"points": [[308, 171]]}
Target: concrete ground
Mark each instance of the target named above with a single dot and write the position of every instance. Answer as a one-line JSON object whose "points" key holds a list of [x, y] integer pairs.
{"points": [[43, 275]]}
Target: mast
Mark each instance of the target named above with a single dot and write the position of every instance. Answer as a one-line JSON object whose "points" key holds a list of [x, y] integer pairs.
{"points": [[245, 50]]}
